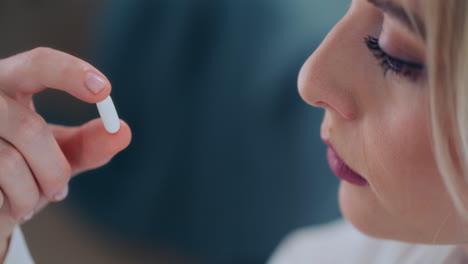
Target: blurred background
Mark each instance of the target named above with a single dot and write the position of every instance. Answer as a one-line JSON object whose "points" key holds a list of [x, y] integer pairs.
{"points": [[226, 159]]}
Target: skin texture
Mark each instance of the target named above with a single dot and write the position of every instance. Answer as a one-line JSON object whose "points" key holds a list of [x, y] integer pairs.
{"points": [[38, 159], [380, 126]]}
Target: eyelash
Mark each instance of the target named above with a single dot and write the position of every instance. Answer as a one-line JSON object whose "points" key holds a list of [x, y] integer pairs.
{"points": [[407, 69]]}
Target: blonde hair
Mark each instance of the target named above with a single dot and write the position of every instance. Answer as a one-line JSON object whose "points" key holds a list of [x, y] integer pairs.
{"points": [[446, 38]]}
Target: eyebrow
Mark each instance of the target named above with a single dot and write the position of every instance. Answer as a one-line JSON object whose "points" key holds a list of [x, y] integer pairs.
{"points": [[411, 21]]}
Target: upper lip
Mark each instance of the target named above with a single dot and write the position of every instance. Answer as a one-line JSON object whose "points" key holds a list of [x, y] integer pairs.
{"points": [[327, 142]]}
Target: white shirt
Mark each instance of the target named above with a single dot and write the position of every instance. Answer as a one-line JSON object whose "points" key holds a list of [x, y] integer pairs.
{"points": [[339, 242], [18, 252]]}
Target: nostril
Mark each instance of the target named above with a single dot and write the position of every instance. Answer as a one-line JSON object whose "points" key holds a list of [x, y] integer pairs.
{"points": [[321, 104], [343, 110]]}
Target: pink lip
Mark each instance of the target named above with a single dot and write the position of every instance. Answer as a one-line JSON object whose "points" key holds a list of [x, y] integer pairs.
{"points": [[340, 169]]}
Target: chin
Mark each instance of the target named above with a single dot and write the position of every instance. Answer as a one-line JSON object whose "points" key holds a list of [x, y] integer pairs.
{"points": [[354, 205], [361, 208]]}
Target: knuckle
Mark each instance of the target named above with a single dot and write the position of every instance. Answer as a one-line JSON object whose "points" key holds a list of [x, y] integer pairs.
{"points": [[10, 159], [57, 180], [64, 64], [32, 127], [25, 204], [65, 170], [41, 53], [52, 185], [3, 104]]}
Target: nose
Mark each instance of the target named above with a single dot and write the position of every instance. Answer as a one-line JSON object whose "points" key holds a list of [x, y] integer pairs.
{"points": [[326, 78]]}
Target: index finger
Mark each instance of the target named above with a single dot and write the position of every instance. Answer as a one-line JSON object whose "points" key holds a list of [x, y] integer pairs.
{"points": [[33, 71]]}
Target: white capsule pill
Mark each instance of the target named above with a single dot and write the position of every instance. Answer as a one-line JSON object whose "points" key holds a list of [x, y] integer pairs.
{"points": [[109, 115]]}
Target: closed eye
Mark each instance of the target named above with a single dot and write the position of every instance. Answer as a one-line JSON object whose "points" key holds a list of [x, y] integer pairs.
{"points": [[411, 70]]}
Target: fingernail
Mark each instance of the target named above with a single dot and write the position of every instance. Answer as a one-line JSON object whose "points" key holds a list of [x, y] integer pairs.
{"points": [[27, 217], [94, 82], [62, 194]]}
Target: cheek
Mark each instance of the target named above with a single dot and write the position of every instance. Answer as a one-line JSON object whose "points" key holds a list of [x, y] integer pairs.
{"points": [[404, 169], [406, 197]]}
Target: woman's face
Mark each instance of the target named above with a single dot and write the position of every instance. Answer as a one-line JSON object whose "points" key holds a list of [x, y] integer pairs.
{"points": [[369, 76]]}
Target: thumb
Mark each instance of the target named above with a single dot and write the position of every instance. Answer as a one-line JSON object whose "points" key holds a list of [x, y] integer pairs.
{"points": [[90, 146]]}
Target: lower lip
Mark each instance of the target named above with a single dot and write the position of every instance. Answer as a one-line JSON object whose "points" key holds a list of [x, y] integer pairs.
{"points": [[342, 171]]}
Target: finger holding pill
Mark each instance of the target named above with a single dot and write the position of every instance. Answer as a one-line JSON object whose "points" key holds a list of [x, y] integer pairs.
{"points": [[30, 72]]}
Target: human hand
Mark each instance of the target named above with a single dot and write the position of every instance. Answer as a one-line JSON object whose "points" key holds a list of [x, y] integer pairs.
{"points": [[38, 159]]}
